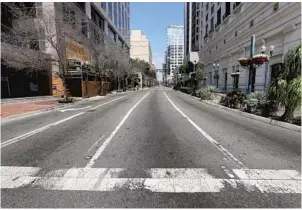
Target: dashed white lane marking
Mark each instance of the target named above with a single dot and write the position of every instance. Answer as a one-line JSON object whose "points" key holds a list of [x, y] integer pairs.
{"points": [[74, 109], [23, 136], [214, 142], [107, 102], [107, 141], [168, 180]]}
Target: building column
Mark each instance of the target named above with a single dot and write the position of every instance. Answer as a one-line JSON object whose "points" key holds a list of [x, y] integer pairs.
{"points": [[88, 9]]}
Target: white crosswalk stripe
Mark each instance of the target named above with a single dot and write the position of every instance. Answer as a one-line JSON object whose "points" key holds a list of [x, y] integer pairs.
{"points": [[168, 180]]}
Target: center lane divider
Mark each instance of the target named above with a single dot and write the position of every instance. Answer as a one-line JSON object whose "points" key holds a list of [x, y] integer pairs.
{"points": [[109, 138]]}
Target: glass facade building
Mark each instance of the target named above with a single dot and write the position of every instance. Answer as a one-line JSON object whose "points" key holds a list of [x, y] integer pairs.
{"points": [[175, 48], [119, 15]]}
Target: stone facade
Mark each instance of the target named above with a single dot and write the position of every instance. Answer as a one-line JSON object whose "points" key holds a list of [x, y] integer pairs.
{"points": [[277, 24], [140, 46]]}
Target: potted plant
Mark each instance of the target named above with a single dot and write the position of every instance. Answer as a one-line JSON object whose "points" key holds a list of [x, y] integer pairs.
{"points": [[260, 58], [244, 61]]}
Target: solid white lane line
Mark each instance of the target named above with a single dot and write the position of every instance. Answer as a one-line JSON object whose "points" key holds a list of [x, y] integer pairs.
{"points": [[74, 109], [107, 141], [107, 102], [23, 136], [95, 143], [214, 142]]}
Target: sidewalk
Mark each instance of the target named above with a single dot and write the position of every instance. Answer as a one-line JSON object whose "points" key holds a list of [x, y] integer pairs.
{"points": [[12, 107], [27, 99], [15, 107]]}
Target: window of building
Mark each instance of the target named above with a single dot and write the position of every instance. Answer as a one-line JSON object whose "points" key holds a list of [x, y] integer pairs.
{"points": [[81, 5], [110, 11], [227, 9], [103, 5], [212, 23], [207, 17], [218, 17], [235, 33], [111, 33], [97, 37], [212, 9], [72, 19], [115, 14], [34, 44], [93, 16], [29, 8], [224, 41], [84, 27], [252, 23], [101, 23], [207, 6]]}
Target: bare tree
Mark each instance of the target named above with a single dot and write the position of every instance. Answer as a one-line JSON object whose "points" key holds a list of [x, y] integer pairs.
{"points": [[50, 26]]}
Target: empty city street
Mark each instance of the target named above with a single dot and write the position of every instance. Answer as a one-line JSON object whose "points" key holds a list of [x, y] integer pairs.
{"points": [[151, 148]]}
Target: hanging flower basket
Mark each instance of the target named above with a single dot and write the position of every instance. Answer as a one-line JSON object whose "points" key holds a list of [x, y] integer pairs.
{"points": [[260, 59], [244, 61]]}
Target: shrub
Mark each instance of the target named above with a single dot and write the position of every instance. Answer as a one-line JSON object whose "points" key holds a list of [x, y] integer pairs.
{"points": [[297, 120], [207, 93], [233, 99], [257, 103], [254, 101], [187, 90]]}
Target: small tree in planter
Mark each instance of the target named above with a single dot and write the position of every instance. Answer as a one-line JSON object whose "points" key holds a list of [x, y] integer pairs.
{"points": [[288, 90]]}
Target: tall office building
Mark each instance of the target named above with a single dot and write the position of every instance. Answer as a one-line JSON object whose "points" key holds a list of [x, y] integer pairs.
{"points": [[117, 15], [224, 37], [140, 46], [175, 49], [191, 33]]}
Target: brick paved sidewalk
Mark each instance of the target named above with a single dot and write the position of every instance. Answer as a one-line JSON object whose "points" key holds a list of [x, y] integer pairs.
{"points": [[22, 108], [11, 109]]}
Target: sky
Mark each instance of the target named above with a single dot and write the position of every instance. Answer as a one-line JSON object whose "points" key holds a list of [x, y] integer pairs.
{"points": [[152, 18]]}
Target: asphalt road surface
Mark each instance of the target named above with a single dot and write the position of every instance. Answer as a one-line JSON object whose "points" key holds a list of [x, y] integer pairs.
{"points": [[151, 148]]}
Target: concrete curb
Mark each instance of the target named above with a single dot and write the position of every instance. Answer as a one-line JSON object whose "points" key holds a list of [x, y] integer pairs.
{"points": [[252, 116]]}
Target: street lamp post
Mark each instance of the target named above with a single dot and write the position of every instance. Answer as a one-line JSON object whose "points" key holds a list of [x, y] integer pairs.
{"points": [[216, 75], [263, 50], [253, 62]]}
